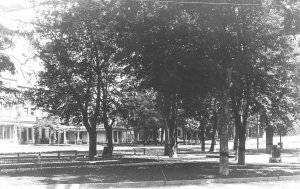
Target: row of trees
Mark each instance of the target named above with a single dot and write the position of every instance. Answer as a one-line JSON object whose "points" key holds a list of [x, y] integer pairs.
{"points": [[166, 62]]}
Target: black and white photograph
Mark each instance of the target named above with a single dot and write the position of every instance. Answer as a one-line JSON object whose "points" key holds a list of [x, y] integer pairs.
{"points": [[154, 94]]}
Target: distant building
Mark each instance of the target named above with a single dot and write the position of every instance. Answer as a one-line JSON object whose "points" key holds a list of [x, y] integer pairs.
{"points": [[19, 119]]}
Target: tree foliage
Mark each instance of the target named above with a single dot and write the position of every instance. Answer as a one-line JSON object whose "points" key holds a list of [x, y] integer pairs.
{"points": [[80, 78]]}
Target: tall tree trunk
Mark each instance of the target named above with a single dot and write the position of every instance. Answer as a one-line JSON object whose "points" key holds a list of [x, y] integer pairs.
{"points": [[196, 136], [202, 131], [240, 128], [236, 143], [92, 142], [242, 133], [166, 150], [135, 131], [224, 123], [184, 135], [224, 152], [108, 150], [213, 137], [269, 139], [242, 146], [172, 126], [173, 145], [235, 140]]}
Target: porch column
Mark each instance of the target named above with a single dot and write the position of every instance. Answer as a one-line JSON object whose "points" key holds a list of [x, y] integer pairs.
{"points": [[77, 139], [65, 137], [10, 133], [117, 136], [15, 134], [32, 135], [4, 130], [58, 136], [27, 134]]}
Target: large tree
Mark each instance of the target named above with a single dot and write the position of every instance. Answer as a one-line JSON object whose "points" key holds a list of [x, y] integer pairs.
{"points": [[262, 71], [80, 77], [160, 45]]}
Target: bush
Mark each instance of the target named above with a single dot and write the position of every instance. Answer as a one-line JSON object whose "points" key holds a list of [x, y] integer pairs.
{"points": [[44, 141]]}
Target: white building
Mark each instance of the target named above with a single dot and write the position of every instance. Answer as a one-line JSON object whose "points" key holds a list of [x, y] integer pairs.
{"points": [[19, 120], [17, 117]]}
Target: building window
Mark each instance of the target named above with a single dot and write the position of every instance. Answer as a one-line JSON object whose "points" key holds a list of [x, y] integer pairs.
{"points": [[29, 133], [32, 111], [43, 133], [6, 132], [115, 136], [120, 135], [26, 111]]}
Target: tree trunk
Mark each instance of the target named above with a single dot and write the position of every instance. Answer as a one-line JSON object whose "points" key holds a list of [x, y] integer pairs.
{"points": [[135, 131], [196, 136], [224, 123], [213, 137], [92, 142], [236, 143], [190, 136], [240, 130], [173, 145], [224, 152], [242, 147], [202, 131], [166, 150], [269, 139], [108, 150], [184, 135]]}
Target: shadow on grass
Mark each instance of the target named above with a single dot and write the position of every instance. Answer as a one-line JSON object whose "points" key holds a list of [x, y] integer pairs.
{"points": [[263, 151], [150, 172]]}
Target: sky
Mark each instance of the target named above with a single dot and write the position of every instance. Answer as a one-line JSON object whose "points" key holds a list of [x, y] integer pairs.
{"points": [[14, 12], [17, 15]]}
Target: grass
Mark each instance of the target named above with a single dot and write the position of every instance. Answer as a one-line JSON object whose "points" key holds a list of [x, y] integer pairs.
{"points": [[191, 164], [149, 172]]}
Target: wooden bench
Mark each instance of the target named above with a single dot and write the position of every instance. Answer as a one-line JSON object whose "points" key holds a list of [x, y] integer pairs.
{"points": [[39, 159], [218, 156], [139, 149]]}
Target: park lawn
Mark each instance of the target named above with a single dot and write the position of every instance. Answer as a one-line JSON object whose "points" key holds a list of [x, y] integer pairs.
{"points": [[150, 172]]}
